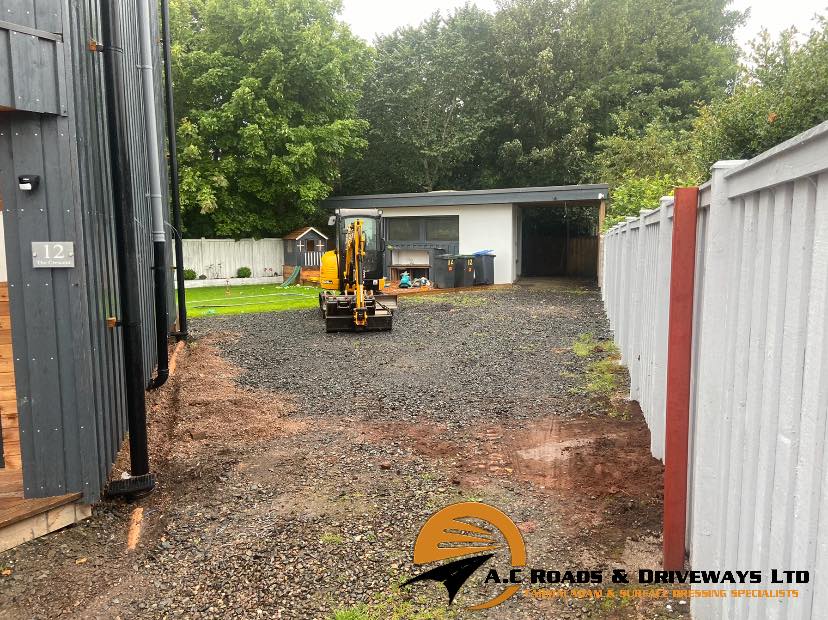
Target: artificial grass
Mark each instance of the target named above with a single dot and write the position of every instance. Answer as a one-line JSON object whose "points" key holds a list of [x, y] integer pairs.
{"points": [[247, 299]]}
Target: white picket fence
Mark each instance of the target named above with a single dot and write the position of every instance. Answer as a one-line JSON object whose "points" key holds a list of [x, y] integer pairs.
{"points": [[758, 473], [311, 259], [221, 258]]}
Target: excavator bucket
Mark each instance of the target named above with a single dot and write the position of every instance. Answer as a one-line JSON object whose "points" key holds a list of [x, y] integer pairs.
{"points": [[388, 302], [339, 310]]}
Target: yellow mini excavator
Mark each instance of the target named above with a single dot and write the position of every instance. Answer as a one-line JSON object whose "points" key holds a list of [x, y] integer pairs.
{"points": [[352, 275]]}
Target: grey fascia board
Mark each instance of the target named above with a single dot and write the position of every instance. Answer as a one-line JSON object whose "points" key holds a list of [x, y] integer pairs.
{"points": [[475, 197]]}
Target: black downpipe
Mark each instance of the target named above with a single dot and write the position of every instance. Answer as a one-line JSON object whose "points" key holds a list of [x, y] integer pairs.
{"points": [[159, 250], [174, 179], [142, 481]]}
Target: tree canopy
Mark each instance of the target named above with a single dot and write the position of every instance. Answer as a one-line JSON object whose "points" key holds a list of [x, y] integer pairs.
{"points": [[524, 96], [782, 91], [432, 105], [279, 105], [266, 94]]}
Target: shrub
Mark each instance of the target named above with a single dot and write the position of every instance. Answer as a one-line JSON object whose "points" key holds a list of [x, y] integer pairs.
{"points": [[189, 274], [244, 272], [202, 277]]}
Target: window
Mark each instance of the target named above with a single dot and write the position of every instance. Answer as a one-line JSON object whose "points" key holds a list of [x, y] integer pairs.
{"points": [[443, 228], [404, 228], [369, 228], [310, 244], [438, 229]]}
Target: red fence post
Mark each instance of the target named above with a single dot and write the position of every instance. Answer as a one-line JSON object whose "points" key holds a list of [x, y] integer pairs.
{"points": [[679, 361]]}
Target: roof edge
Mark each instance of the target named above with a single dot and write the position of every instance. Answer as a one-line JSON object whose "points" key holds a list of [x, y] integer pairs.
{"points": [[516, 195]]}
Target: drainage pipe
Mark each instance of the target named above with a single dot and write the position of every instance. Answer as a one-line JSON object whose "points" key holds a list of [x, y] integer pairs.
{"points": [[129, 275], [174, 180], [159, 237]]}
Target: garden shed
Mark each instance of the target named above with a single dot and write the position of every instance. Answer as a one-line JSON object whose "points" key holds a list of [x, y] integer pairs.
{"points": [[84, 253], [533, 231]]}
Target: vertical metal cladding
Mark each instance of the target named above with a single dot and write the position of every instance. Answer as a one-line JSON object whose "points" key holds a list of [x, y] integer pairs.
{"points": [[68, 361]]}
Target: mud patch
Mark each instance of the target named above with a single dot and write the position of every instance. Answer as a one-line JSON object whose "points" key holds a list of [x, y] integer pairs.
{"points": [[606, 455], [601, 466]]}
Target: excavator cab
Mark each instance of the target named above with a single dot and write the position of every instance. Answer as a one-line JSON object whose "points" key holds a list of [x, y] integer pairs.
{"points": [[352, 275]]}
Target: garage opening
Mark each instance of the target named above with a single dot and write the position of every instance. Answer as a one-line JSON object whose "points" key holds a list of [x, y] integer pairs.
{"points": [[559, 241]]}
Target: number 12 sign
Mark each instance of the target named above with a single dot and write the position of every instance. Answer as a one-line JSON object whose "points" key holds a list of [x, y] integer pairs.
{"points": [[53, 254]]}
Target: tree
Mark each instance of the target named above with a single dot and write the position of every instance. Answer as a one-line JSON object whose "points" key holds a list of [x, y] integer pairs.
{"points": [[266, 94], [525, 97], [641, 167], [545, 137], [582, 69], [431, 101], [645, 60], [658, 150], [781, 93]]}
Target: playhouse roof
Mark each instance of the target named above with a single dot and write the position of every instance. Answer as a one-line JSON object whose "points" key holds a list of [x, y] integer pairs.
{"points": [[301, 232]]}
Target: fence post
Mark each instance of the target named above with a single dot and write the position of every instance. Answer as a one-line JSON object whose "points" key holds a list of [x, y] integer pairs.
{"points": [[679, 361]]}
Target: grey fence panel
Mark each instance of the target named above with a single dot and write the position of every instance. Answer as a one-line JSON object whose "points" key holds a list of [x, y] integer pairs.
{"points": [[29, 70], [758, 469]]}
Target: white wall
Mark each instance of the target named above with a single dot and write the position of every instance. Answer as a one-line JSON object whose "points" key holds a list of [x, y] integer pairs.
{"points": [[490, 227], [482, 227]]}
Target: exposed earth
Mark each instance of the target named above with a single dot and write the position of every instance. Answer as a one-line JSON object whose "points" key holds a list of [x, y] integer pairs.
{"points": [[296, 468]]}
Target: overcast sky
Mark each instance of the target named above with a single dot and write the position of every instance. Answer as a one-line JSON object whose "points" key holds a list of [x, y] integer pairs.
{"points": [[371, 17]]}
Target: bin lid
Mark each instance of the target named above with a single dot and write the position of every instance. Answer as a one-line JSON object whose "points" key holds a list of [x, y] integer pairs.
{"points": [[484, 253]]}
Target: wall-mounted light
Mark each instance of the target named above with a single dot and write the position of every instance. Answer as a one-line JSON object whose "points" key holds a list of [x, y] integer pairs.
{"points": [[28, 182]]}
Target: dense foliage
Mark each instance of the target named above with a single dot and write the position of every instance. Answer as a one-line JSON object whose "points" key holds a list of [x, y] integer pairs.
{"points": [[279, 105], [433, 102], [266, 94], [782, 92], [522, 97]]}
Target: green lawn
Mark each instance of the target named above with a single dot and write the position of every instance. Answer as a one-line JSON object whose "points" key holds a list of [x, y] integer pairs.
{"points": [[214, 300]]}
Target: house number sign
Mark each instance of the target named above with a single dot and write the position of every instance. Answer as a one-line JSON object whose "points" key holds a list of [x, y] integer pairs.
{"points": [[53, 254]]}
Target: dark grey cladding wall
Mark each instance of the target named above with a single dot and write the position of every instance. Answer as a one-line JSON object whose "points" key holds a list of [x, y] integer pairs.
{"points": [[68, 364]]}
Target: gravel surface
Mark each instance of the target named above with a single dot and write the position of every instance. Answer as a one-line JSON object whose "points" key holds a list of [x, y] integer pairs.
{"points": [[448, 357], [296, 468]]}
